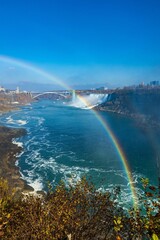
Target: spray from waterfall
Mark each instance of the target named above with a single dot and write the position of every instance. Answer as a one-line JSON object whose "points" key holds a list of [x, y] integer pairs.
{"points": [[87, 101], [73, 96]]}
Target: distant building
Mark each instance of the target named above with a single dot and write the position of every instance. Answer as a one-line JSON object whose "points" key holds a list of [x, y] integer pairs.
{"points": [[154, 83], [141, 85], [2, 89], [100, 88], [17, 90]]}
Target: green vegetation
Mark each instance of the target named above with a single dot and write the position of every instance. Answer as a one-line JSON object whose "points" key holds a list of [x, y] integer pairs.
{"points": [[77, 213]]}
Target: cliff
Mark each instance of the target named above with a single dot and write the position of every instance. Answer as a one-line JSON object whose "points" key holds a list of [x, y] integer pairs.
{"points": [[9, 102], [22, 98], [141, 103]]}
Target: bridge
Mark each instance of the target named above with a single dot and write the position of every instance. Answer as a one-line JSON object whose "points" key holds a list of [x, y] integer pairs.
{"points": [[62, 94], [65, 94]]}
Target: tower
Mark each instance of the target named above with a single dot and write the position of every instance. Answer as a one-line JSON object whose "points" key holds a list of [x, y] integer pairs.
{"points": [[17, 90]]}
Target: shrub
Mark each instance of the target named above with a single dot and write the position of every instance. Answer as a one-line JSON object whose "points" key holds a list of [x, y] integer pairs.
{"points": [[80, 212]]}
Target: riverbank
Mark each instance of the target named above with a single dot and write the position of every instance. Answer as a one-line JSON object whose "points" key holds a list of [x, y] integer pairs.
{"points": [[7, 108], [140, 104], [8, 149], [8, 158]]}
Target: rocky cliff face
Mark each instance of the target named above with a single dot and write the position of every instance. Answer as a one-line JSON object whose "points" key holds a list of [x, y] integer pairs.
{"points": [[22, 98], [10, 101], [138, 103]]}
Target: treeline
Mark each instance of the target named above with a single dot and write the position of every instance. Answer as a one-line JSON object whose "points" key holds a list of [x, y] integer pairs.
{"points": [[77, 213]]}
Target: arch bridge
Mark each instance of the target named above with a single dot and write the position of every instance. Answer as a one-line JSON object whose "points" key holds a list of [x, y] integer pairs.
{"points": [[64, 95]]}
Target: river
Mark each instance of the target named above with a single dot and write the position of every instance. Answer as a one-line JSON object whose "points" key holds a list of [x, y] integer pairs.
{"points": [[65, 142]]}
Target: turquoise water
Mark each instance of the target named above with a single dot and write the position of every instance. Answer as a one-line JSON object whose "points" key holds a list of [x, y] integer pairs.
{"points": [[64, 142]]}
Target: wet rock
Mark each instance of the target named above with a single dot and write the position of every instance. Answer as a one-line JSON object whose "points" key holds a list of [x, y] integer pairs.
{"points": [[8, 152]]}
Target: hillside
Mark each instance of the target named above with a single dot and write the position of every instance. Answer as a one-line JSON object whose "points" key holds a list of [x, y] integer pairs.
{"points": [[10, 102]]}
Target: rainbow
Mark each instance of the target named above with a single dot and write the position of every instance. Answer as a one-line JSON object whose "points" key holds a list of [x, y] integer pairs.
{"points": [[103, 122], [34, 69], [118, 149]]}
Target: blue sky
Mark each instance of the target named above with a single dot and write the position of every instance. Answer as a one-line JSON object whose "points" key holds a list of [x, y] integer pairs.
{"points": [[83, 42]]}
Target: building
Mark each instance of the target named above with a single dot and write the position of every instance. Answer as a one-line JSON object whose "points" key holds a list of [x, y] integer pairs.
{"points": [[17, 90], [154, 83], [100, 88], [2, 89]]}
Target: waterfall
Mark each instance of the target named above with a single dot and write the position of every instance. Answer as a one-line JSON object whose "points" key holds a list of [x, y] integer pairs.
{"points": [[88, 101], [73, 96]]}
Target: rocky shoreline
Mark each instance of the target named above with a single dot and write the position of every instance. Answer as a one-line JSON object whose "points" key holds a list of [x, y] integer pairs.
{"points": [[8, 158], [7, 108], [8, 150]]}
